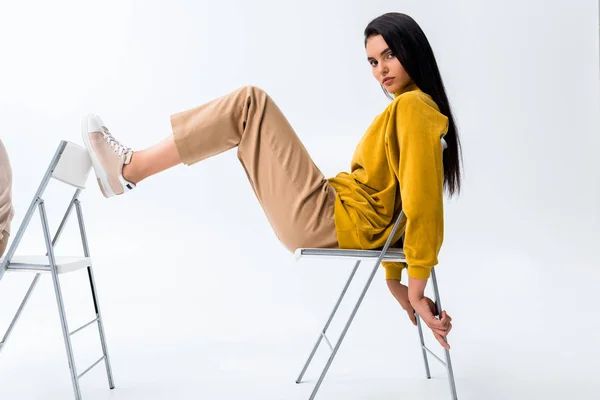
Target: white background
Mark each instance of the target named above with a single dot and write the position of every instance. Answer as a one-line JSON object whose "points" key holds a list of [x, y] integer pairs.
{"points": [[199, 298]]}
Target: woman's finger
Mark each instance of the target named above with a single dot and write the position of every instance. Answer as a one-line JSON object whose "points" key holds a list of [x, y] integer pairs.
{"points": [[412, 317], [442, 341], [433, 322], [447, 321], [445, 318], [440, 332]]}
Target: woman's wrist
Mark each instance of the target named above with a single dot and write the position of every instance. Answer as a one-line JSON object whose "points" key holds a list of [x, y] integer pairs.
{"points": [[416, 290]]}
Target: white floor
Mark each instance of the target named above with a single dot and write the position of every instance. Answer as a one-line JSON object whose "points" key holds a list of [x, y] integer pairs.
{"points": [[184, 369], [196, 330]]}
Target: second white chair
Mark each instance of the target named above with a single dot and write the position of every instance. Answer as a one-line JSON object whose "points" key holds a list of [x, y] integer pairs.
{"points": [[71, 165]]}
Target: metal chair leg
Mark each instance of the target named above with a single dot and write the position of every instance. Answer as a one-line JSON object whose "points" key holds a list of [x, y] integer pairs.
{"points": [[425, 359], [343, 335], [354, 311], [324, 330], [59, 300], [86, 252], [19, 311], [446, 351]]}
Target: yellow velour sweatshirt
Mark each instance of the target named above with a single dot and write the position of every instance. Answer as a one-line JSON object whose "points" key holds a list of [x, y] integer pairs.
{"points": [[397, 165]]}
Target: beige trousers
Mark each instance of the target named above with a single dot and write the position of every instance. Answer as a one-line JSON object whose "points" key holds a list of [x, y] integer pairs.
{"points": [[295, 196], [3, 242]]}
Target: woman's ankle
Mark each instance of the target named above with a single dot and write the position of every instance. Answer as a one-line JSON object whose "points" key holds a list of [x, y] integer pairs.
{"points": [[131, 171]]}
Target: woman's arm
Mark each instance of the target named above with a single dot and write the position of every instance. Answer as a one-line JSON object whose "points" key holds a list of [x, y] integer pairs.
{"points": [[400, 293], [420, 173], [416, 289]]}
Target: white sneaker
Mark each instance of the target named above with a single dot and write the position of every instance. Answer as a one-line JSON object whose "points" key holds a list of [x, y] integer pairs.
{"points": [[108, 156]]}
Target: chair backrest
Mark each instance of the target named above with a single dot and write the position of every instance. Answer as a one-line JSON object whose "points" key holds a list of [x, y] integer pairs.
{"points": [[70, 164], [73, 166]]}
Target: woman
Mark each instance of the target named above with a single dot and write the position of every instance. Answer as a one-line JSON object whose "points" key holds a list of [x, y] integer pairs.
{"points": [[397, 164], [6, 209]]}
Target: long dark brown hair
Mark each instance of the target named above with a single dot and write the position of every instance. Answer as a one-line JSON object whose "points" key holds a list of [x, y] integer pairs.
{"points": [[408, 42]]}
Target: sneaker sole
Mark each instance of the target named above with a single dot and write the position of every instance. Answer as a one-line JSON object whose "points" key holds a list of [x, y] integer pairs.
{"points": [[100, 172]]}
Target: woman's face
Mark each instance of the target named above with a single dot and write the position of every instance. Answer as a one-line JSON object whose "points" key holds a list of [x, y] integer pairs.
{"points": [[384, 65]]}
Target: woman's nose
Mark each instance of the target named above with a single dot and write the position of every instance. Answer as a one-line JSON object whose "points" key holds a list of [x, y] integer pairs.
{"points": [[383, 70]]}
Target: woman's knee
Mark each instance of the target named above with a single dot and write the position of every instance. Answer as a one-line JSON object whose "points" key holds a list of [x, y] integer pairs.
{"points": [[252, 90]]}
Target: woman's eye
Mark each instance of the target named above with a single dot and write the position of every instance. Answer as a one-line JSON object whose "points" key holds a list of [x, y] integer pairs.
{"points": [[389, 55]]}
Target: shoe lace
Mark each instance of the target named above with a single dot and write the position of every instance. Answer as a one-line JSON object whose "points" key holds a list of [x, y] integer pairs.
{"points": [[117, 146]]}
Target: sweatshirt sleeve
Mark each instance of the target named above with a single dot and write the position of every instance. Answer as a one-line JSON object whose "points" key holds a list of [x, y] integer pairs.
{"points": [[393, 270], [421, 176]]}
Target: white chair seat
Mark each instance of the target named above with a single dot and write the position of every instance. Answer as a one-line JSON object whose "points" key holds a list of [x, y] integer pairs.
{"points": [[64, 264], [392, 255]]}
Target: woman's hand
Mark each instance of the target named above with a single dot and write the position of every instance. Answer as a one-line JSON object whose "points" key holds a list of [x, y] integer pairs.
{"points": [[426, 309]]}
